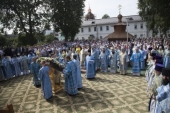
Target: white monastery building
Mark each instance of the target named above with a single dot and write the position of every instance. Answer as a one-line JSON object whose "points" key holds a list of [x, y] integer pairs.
{"points": [[100, 28]]}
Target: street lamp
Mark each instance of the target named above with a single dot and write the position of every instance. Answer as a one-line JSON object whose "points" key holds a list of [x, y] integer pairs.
{"points": [[127, 28]]}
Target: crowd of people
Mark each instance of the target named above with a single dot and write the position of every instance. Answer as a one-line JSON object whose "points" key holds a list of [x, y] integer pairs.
{"points": [[152, 54]]}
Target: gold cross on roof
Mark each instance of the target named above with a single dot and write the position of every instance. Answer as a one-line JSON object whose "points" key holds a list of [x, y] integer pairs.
{"points": [[119, 8]]}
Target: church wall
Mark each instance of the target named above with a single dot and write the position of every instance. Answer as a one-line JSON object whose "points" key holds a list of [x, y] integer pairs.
{"points": [[140, 31]]}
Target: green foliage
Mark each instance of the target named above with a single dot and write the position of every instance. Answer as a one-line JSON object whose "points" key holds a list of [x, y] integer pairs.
{"points": [[2, 40], [26, 16], [26, 40], [105, 16], [40, 37], [49, 38], [67, 15], [34, 16], [156, 13], [12, 41]]}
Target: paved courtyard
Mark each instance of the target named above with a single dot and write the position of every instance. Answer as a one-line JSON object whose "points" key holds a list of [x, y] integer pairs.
{"points": [[107, 93]]}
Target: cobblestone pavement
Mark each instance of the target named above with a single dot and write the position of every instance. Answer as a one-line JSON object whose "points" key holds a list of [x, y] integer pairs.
{"points": [[107, 93]]}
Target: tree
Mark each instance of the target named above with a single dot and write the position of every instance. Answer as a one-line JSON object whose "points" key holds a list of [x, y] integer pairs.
{"points": [[156, 14], [26, 16], [105, 16], [2, 40], [66, 15]]}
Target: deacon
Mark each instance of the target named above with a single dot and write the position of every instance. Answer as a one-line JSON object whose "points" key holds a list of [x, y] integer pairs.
{"points": [[24, 64], [103, 61], [6, 62], [113, 61], [16, 67], [78, 75], [90, 66], [70, 73], [43, 75], [34, 68]]}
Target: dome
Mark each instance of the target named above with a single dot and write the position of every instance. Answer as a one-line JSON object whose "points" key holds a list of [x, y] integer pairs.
{"points": [[119, 18], [89, 15]]}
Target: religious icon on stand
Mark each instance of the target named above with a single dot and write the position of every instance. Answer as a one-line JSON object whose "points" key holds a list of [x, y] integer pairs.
{"points": [[56, 69]]}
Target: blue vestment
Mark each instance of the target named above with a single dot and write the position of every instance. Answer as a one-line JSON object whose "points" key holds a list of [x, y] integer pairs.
{"points": [[30, 56], [167, 59], [113, 62], [97, 59], [103, 62], [163, 99], [94, 55], [107, 52], [136, 61], [90, 67], [16, 64], [45, 82], [34, 68], [142, 63], [7, 66], [79, 78], [24, 64], [70, 73]]}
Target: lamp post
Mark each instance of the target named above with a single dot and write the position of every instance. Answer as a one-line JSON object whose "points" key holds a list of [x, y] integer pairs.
{"points": [[97, 31], [127, 28]]}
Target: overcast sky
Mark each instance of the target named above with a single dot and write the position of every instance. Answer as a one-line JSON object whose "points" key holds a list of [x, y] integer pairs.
{"points": [[110, 7]]}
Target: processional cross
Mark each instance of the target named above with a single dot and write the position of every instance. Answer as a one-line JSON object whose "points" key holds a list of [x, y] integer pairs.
{"points": [[119, 8]]}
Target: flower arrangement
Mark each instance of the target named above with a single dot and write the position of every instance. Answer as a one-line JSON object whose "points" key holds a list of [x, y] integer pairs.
{"points": [[52, 62]]}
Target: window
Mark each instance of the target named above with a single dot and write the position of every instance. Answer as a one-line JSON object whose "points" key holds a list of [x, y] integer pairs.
{"points": [[89, 29], [82, 30], [101, 29], [94, 28], [135, 26], [141, 26], [100, 37], [135, 36], [141, 35], [107, 28]]}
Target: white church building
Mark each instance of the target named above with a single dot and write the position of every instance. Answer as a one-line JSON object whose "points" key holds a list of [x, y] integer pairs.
{"points": [[100, 28]]}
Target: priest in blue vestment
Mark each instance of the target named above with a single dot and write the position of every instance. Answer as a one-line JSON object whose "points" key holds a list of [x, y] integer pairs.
{"points": [[143, 56], [163, 97], [113, 61], [90, 66], [35, 67], [136, 62], [30, 56], [78, 75], [94, 55], [15, 62], [103, 61], [107, 52], [167, 57], [97, 58], [7, 67], [70, 75], [46, 86], [24, 64]]}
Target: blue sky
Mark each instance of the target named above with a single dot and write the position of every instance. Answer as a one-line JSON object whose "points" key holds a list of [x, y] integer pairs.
{"points": [[110, 7]]}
